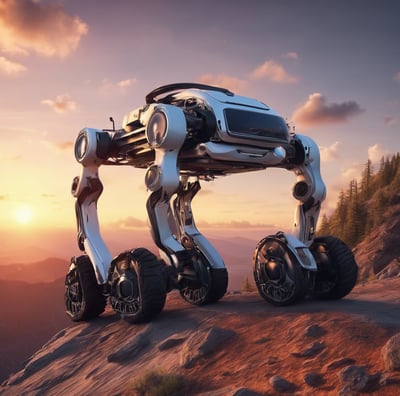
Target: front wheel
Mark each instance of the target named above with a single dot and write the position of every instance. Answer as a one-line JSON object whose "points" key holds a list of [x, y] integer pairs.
{"points": [[83, 296], [203, 284], [138, 286], [277, 274], [337, 269]]}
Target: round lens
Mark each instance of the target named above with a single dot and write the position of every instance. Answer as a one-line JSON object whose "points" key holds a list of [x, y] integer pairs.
{"points": [[300, 189], [80, 146], [157, 128], [153, 178]]}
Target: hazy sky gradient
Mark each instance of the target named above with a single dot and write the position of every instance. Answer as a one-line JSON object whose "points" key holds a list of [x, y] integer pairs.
{"points": [[330, 67]]}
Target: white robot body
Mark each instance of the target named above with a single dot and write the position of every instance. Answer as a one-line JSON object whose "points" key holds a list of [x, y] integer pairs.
{"points": [[186, 133]]}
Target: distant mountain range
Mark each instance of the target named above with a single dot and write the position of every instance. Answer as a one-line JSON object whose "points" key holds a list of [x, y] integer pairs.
{"points": [[30, 315], [47, 270]]}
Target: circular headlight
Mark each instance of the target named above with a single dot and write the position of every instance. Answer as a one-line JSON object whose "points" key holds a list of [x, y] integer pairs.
{"points": [[157, 129], [300, 190], [81, 145], [153, 178]]}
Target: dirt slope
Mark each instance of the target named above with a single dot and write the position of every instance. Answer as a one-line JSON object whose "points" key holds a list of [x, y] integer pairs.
{"points": [[241, 342]]}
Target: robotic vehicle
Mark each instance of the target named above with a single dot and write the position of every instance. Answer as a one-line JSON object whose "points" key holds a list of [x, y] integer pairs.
{"points": [[184, 134]]}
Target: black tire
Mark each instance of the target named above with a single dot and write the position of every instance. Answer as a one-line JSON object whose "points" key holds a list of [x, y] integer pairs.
{"points": [[138, 285], [277, 274], [337, 269], [209, 284], [83, 296]]}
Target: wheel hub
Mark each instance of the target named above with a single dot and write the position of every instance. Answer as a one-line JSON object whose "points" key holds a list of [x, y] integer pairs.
{"points": [[125, 288], [275, 270]]}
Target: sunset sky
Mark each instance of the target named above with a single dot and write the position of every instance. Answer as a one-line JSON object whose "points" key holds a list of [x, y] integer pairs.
{"points": [[332, 68]]}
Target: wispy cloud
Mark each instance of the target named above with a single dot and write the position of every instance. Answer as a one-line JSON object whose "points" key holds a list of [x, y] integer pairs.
{"points": [[107, 86], [291, 55], [61, 104], [376, 152], [10, 158], [126, 83], [233, 224], [64, 146], [45, 28], [10, 68], [316, 110], [351, 172], [331, 152], [223, 80], [396, 77], [390, 120], [275, 72], [60, 147], [129, 223]]}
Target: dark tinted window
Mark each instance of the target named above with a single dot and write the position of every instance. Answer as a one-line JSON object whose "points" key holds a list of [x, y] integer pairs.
{"points": [[256, 125]]}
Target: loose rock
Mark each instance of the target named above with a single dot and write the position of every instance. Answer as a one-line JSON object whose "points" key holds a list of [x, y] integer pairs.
{"points": [[245, 392], [340, 363], [280, 384], [354, 379], [170, 343], [130, 351], [391, 353], [314, 379], [315, 331], [313, 350], [203, 343]]}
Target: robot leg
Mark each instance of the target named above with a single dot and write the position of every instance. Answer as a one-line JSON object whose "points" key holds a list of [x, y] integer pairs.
{"points": [[309, 191]]}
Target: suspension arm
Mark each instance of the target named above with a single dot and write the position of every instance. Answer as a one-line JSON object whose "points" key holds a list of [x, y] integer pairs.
{"points": [[309, 191], [87, 189], [187, 227]]}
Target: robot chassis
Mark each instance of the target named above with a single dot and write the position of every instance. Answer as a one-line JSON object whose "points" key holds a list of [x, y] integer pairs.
{"points": [[187, 132]]}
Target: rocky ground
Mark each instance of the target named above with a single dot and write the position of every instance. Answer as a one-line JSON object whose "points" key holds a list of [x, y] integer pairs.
{"points": [[239, 346]]}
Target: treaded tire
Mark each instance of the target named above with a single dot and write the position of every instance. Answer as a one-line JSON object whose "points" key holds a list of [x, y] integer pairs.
{"points": [[83, 296], [214, 283], [138, 286], [278, 276], [337, 269]]}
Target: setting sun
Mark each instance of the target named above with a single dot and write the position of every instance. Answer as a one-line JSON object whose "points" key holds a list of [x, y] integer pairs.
{"points": [[23, 215]]}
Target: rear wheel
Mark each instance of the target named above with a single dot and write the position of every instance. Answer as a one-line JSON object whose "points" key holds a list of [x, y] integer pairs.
{"points": [[201, 284], [277, 274], [83, 296], [337, 269], [138, 286]]}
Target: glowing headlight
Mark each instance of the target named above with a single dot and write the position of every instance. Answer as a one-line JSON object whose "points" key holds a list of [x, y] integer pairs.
{"points": [[92, 146], [157, 129], [81, 145]]}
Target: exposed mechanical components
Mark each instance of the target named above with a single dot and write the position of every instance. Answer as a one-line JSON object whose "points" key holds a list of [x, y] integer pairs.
{"points": [[186, 133]]}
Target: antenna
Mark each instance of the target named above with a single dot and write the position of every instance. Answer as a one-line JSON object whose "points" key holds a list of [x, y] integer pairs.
{"points": [[113, 123]]}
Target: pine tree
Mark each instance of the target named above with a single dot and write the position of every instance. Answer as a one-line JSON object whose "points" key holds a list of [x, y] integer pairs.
{"points": [[324, 228], [366, 180], [363, 205], [247, 286]]}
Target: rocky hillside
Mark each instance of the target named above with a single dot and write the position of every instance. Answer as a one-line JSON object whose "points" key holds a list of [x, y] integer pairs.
{"points": [[378, 255], [239, 346]]}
